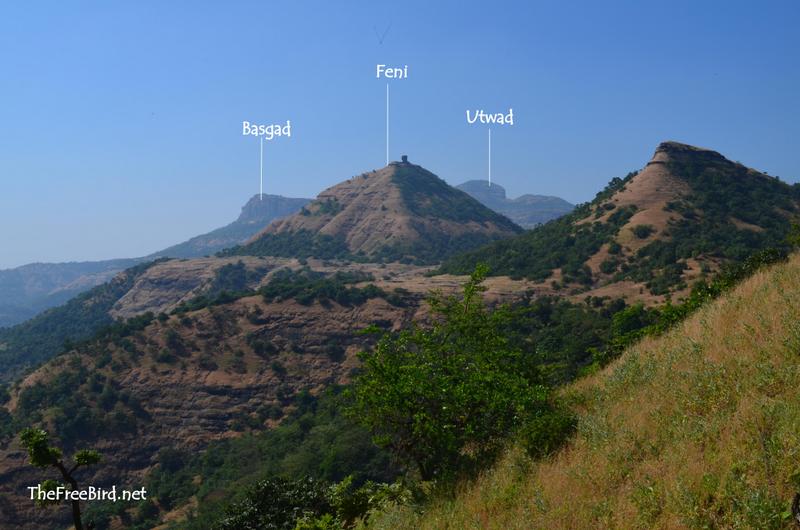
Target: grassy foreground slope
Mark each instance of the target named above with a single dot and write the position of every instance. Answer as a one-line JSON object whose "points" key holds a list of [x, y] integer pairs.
{"points": [[699, 428]]}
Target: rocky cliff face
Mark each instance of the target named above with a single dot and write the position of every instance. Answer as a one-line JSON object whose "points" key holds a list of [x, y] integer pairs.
{"points": [[266, 207], [257, 213], [527, 210]]}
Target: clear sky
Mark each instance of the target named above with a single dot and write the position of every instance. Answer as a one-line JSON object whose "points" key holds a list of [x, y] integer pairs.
{"points": [[120, 122]]}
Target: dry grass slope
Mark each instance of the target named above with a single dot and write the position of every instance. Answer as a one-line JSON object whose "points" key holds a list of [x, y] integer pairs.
{"points": [[697, 429]]}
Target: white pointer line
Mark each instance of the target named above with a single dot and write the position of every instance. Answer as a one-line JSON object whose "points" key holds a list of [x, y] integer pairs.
{"points": [[490, 157], [261, 168], [387, 124]]}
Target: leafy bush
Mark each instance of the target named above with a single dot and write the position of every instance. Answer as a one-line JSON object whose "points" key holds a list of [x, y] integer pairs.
{"points": [[276, 503], [643, 231], [307, 286], [609, 266], [547, 430], [315, 440], [429, 394]]}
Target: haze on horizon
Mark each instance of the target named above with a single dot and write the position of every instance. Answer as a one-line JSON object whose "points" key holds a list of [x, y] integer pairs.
{"points": [[121, 128]]}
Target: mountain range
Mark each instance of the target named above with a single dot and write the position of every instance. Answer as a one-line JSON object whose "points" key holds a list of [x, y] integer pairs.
{"points": [[181, 357], [526, 210], [649, 235], [402, 212], [29, 289]]}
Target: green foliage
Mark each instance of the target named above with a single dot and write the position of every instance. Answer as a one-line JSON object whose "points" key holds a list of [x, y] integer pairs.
{"points": [[79, 402], [86, 457], [330, 206], [37, 443], [722, 194], [42, 337], [308, 504], [304, 286], [232, 278], [547, 430], [609, 266], [431, 248], [299, 244], [561, 243], [643, 231], [43, 455], [634, 322], [230, 283], [276, 503], [444, 397], [558, 336], [315, 440], [307, 286]]}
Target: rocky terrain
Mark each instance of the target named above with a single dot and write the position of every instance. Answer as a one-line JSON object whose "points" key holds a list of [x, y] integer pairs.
{"points": [[650, 235], [189, 378], [27, 290], [195, 356], [526, 210], [230, 364], [399, 213], [258, 212]]}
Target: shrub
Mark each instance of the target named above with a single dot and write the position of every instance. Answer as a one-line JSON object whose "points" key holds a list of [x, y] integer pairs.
{"points": [[206, 362], [335, 351], [608, 266], [643, 231], [165, 356], [547, 430], [427, 394], [278, 368]]}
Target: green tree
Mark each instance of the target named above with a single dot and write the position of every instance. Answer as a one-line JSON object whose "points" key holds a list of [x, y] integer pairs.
{"points": [[42, 454], [444, 396], [276, 503]]}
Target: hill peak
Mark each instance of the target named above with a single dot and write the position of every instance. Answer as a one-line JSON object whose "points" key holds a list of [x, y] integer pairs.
{"points": [[264, 207], [683, 216], [671, 150], [399, 212]]}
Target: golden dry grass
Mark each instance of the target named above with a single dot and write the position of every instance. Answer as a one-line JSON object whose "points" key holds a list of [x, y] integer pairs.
{"points": [[699, 428]]}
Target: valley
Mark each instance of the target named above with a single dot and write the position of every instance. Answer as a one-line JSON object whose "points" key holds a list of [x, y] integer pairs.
{"points": [[188, 353], [381, 265]]}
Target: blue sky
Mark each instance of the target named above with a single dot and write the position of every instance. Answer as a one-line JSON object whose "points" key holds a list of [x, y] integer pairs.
{"points": [[120, 122]]}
